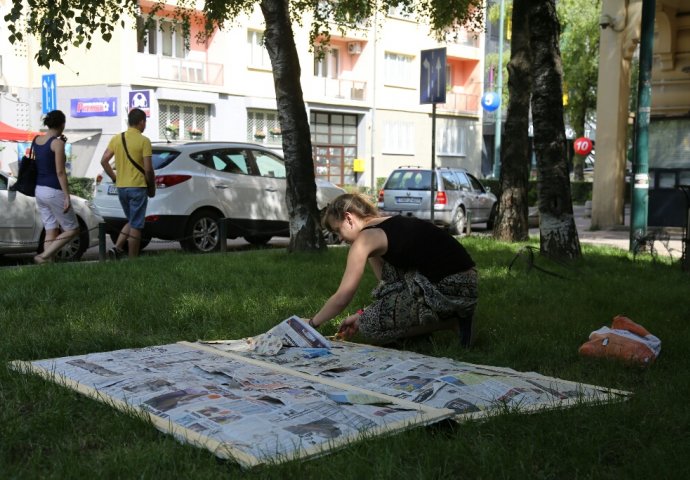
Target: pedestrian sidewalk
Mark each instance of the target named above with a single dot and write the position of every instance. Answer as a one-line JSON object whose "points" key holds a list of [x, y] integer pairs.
{"points": [[618, 236]]}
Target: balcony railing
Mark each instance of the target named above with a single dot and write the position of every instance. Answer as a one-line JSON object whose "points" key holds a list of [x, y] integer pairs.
{"points": [[181, 70], [461, 103], [462, 37], [339, 88]]}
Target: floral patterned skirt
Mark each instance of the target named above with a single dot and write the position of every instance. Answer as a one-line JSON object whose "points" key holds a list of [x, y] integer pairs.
{"points": [[406, 300]]}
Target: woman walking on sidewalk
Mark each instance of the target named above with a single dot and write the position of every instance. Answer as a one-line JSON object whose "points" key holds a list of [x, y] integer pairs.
{"points": [[52, 188]]}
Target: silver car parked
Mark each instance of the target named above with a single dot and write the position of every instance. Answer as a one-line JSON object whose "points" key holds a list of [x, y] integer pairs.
{"points": [[458, 196], [21, 229]]}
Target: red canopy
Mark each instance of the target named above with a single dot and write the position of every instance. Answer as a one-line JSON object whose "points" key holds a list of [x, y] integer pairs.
{"points": [[11, 134]]}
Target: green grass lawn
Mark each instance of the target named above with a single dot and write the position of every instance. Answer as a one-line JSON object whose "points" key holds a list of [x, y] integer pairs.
{"points": [[526, 320]]}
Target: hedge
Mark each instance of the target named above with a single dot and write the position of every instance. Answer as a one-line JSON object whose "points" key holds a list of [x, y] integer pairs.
{"points": [[81, 187]]}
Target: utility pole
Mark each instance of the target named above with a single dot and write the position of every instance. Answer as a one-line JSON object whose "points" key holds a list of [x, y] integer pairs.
{"points": [[640, 193], [499, 90]]}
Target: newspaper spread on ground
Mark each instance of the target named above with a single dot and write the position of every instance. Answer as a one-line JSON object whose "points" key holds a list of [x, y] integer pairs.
{"points": [[290, 393], [237, 408], [467, 389]]}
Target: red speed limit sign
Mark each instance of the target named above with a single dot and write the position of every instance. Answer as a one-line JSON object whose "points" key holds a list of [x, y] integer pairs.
{"points": [[582, 146]]}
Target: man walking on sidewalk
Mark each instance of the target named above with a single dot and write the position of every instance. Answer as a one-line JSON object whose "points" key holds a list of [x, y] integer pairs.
{"points": [[135, 180]]}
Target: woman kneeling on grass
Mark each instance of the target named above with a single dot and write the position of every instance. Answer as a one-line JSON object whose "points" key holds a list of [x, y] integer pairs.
{"points": [[427, 280]]}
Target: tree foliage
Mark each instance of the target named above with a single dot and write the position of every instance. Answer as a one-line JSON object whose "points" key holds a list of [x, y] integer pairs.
{"points": [[60, 25], [580, 53]]}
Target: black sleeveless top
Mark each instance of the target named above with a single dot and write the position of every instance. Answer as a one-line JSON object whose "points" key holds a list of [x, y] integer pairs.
{"points": [[45, 165], [415, 244]]}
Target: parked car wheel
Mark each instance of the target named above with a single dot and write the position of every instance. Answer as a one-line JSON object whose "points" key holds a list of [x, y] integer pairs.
{"points": [[258, 239], [457, 227], [492, 217], [202, 233]]}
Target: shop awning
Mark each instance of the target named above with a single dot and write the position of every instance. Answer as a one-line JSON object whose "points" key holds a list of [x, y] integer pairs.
{"points": [[9, 133]]}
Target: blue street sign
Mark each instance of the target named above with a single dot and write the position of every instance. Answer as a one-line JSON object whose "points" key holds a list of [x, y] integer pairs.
{"points": [[49, 92], [491, 101], [432, 79]]}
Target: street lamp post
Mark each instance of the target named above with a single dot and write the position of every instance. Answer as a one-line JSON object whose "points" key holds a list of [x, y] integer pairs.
{"points": [[640, 180], [499, 90]]}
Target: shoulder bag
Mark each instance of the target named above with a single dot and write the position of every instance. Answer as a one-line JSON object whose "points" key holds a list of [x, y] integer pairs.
{"points": [[26, 177], [150, 189]]}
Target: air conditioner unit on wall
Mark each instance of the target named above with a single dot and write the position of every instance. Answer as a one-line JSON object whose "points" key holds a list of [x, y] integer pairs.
{"points": [[354, 48]]}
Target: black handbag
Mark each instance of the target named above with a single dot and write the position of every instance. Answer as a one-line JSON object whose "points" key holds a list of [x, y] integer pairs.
{"points": [[26, 177]]}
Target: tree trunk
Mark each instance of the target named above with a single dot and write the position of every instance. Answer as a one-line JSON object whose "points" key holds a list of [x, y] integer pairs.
{"points": [[558, 235], [305, 228], [512, 224]]}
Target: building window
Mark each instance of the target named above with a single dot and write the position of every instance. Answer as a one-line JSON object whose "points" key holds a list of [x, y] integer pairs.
{"points": [[146, 37], [398, 138], [258, 55], [334, 143], [160, 37], [398, 69], [328, 66], [188, 121], [263, 127], [452, 136]]}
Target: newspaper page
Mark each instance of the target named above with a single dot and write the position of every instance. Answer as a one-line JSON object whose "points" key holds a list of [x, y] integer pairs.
{"points": [[295, 332], [291, 332], [251, 413], [467, 389]]}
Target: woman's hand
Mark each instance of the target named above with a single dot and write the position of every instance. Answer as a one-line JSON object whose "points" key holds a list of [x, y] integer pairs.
{"points": [[349, 327], [67, 205]]}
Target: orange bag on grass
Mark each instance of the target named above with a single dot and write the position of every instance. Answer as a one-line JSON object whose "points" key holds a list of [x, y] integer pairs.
{"points": [[626, 341]]}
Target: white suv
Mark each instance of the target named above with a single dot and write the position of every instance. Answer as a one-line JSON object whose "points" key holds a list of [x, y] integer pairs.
{"points": [[199, 183], [458, 196]]}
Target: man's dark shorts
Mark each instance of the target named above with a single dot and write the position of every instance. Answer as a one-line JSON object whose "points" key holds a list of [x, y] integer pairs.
{"points": [[134, 201]]}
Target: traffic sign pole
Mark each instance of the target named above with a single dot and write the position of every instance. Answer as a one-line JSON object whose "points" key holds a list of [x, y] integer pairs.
{"points": [[432, 89], [432, 196]]}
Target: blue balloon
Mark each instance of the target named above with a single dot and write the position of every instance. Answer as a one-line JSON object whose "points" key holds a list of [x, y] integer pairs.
{"points": [[491, 101]]}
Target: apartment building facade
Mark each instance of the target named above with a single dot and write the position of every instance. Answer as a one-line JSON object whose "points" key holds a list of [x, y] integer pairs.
{"points": [[362, 97]]}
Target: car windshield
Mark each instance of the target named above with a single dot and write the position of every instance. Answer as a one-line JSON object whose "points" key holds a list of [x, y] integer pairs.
{"points": [[162, 158], [409, 180]]}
